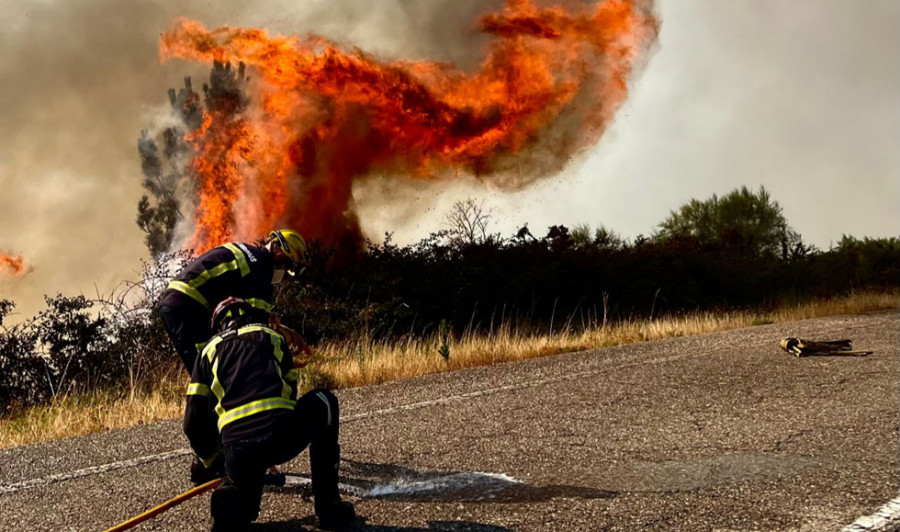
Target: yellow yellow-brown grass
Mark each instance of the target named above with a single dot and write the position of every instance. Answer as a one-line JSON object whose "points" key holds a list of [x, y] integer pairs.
{"points": [[78, 414], [365, 361]]}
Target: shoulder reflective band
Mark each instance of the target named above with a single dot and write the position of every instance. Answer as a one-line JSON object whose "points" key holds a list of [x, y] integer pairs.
{"points": [[196, 388], [189, 291], [255, 328], [255, 407], [240, 258], [239, 263], [190, 288]]}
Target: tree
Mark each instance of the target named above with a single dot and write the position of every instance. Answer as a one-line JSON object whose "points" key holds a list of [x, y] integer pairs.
{"points": [[602, 238], [468, 222], [168, 179], [581, 236], [605, 238], [742, 222]]}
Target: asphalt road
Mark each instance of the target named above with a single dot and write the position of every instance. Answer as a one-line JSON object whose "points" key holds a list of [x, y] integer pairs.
{"points": [[719, 432]]}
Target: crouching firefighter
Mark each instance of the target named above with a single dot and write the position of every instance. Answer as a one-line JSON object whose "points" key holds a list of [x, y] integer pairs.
{"points": [[242, 418]]}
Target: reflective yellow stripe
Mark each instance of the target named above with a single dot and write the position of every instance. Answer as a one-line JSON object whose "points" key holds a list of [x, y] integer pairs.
{"points": [[240, 258], [279, 354], [217, 390], [190, 288], [208, 462], [255, 407], [286, 390], [216, 271], [261, 304], [253, 328], [189, 291], [292, 375], [210, 350], [196, 388]]}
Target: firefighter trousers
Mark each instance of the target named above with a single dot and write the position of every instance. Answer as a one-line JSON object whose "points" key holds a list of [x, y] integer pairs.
{"points": [[314, 422], [188, 324]]}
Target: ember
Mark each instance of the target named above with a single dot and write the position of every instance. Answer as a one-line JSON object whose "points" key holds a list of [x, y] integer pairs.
{"points": [[317, 117]]}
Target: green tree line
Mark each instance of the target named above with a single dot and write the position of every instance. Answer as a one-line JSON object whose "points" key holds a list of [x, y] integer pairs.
{"points": [[734, 251]]}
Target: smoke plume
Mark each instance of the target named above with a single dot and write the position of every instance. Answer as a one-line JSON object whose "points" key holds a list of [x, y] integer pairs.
{"points": [[283, 142]]}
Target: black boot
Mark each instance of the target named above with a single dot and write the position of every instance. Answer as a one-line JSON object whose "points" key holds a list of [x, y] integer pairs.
{"points": [[333, 513]]}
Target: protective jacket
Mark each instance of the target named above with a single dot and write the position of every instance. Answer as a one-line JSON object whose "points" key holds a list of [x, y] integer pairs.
{"points": [[242, 385], [235, 269]]}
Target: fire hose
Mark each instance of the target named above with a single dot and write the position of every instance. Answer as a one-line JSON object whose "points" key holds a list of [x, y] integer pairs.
{"points": [[273, 478]]}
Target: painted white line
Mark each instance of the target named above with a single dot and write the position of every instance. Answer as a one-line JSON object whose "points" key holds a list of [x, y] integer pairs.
{"points": [[168, 455], [886, 516], [89, 471]]}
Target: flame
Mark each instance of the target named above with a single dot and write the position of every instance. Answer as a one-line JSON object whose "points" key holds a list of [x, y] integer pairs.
{"points": [[12, 265], [321, 116]]}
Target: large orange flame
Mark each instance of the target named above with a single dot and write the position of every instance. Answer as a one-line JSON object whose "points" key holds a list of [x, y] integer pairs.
{"points": [[321, 116], [11, 265]]}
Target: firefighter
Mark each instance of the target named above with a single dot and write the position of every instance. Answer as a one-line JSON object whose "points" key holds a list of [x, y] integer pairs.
{"points": [[234, 269], [242, 413]]}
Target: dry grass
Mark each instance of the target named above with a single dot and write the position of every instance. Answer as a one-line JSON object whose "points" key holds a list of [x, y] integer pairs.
{"points": [[363, 361], [79, 414], [366, 361]]}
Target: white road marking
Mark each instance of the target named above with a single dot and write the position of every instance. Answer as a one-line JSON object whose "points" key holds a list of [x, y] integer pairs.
{"points": [[89, 471], [886, 516]]}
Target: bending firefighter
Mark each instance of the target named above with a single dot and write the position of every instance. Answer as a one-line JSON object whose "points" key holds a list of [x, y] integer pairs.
{"points": [[231, 270], [242, 415]]}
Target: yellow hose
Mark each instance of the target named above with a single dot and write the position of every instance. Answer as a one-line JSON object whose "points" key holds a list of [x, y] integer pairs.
{"points": [[175, 501]]}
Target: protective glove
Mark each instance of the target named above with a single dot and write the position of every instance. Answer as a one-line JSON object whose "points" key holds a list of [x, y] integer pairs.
{"points": [[201, 474]]}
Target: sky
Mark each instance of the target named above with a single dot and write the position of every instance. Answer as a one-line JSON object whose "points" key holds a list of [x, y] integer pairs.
{"points": [[800, 97]]}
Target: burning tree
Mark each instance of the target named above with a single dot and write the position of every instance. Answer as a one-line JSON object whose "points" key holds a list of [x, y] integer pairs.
{"points": [[170, 177], [286, 148]]}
